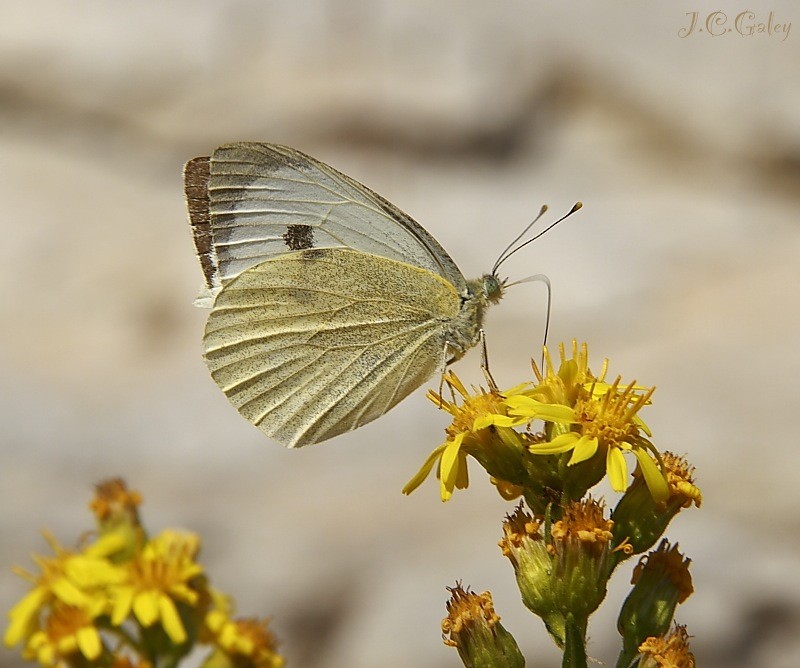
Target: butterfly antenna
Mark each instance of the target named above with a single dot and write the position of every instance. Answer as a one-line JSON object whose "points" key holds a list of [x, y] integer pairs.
{"points": [[508, 253], [501, 258]]}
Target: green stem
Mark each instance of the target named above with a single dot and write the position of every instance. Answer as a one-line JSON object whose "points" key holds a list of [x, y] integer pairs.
{"points": [[627, 655], [574, 644]]}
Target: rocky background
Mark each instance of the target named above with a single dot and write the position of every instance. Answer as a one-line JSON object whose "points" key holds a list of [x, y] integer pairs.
{"points": [[683, 268]]}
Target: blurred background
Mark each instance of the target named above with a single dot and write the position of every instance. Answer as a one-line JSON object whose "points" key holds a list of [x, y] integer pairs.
{"points": [[683, 268]]}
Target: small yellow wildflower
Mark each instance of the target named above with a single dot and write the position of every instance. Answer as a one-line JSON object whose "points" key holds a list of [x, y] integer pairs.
{"points": [[157, 578], [247, 642], [586, 415], [680, 477], [469, 433], [67, 631], [77, 579]]}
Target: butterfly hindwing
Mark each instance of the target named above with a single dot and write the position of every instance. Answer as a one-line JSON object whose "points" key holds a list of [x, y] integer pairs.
{"points": [[314, 343]]}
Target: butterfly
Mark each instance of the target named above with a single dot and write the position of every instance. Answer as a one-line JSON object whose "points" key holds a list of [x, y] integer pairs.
{"points": [[329, 305]]}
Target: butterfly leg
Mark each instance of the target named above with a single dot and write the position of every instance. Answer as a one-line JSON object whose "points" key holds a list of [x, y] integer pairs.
{"points": [[485, 363], [446, 360]]}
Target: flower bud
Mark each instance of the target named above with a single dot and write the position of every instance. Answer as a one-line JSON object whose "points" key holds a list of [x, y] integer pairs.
{"points": [[661, 581], [562, 573], [473, 628], [639, 520], [116, 509]]}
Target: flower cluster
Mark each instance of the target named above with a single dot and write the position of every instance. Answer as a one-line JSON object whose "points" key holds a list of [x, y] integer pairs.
{"points": [[550, 441], [588, 426], [126, 599]]}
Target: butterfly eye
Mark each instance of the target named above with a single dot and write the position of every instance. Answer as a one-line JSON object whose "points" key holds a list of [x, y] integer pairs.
{"points": [[492, 288]]}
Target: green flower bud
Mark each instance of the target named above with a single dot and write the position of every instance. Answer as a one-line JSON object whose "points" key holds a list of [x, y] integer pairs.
{"points": [[563, 573], [661, 581], [639, 520], [473, 628]]}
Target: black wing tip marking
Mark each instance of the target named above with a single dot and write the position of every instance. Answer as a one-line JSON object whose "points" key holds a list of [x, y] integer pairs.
{"points": [[196, 176]]}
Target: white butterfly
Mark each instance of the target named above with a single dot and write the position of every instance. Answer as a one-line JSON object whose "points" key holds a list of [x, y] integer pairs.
{"points": [[330, 305]]}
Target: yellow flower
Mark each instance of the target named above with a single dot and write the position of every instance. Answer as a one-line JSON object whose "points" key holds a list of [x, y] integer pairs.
{"points": [[246, 643], [157, 578], [586, 415], [78, 580], [670, 650], [680, 477], [67, 631], [469, 433]]}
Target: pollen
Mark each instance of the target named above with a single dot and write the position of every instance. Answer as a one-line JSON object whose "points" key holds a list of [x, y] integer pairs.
{"points": [[474, 406], [671, 650], [65, 621], [583, 521], [517, 527], [610, 419], [466, 609]]}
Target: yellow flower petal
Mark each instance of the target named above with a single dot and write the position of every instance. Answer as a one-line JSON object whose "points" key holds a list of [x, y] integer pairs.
{"points": [[87, 573], [68, 593], [424, 471], [123, 602], [462, 473], [517, 389], [584, 449], [171, 620], [107, 544], [448, 468], [145, 607], [537, 410], [23, 616], [89, 642], [561, 443], [484, 421], [655, 480], [617, 469], [215, 619]]}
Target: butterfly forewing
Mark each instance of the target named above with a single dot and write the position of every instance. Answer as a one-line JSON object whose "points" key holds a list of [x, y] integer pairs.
{"points": [[265, 200], [315, 343]]}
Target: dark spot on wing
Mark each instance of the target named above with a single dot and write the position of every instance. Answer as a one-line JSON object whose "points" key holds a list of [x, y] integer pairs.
{"points": [[299, 237]]}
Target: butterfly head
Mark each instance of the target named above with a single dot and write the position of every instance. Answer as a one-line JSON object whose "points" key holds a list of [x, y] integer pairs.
{"points": [[493, 287]]}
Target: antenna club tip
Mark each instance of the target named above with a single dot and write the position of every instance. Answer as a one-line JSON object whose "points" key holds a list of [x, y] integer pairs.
{"points": [[543, 210], [578, 205]]}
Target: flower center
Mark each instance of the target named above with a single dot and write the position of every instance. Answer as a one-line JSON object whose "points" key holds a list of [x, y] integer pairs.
{"points": [[608, 420]]}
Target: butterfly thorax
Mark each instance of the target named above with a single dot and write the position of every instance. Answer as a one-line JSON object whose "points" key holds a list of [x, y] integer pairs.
{"points": [[464, 330]]}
